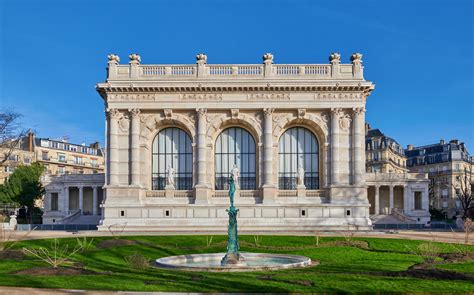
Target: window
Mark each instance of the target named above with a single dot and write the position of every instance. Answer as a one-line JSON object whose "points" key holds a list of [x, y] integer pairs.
{"points": [[61, 170], [13, 158], [77, 160], [54, 201], [444, 193], [61, 157], [172, 148], [44, 156], [445, 204], [298, 147], [418, 200], [235, 146], [27, 160], [94, 163]]}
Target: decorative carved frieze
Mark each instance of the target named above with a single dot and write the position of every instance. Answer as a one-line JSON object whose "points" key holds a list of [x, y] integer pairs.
{"points": [[132, 97], [201, 96], [338, 95], [269, 96]]}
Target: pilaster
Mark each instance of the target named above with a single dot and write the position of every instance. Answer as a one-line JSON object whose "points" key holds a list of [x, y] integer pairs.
{"points": [[113, 115], [358, 146], [135, 146], [201, 188], [81, 199], [390, 199], [269, 187], [94, 201], [377, 200]]}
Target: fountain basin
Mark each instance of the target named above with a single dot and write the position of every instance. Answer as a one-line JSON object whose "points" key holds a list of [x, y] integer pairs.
{"points": [[251, 262]]}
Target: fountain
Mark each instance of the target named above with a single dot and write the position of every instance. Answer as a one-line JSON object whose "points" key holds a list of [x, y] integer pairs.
{"points": [[233, 260]]}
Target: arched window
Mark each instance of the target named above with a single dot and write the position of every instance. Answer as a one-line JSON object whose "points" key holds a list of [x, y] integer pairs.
{"points": [[298, 147], [235, 146], [172, 147]]}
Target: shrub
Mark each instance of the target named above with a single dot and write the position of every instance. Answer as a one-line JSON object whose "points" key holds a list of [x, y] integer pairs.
{"points": [[57, 255], [137, 261]]}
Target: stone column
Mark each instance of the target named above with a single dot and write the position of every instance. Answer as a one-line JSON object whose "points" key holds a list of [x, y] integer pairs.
{"points": [[135, 146], [269, 188], [390, 207], [377, 200], [201, 188], [335, 114], [113, 115], [406, 200], [66, 200], [94, 201], [358, 146], [81, 199]]}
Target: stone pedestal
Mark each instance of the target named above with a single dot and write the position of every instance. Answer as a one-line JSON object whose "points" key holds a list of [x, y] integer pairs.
{"points": [[201, 193], [301, 192], [169, 192], [269, 193], [13, 222]]}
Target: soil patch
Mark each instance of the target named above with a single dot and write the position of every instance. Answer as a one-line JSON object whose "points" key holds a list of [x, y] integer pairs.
{"points": [[50, 271], [115, 243], [433, 274], [358, 244], [457, 257], [12, 254]]}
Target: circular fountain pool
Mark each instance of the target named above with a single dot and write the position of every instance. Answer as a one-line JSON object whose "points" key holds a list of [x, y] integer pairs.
{"points": [[251, 262]]}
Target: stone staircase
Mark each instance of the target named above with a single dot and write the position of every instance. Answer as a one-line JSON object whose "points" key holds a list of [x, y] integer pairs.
{"points": [[387, 219], [84, 219]]}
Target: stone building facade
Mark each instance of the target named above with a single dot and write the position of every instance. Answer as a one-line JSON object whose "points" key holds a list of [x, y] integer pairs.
{"points": [[444, 162], [268, 119], [384, 154]]}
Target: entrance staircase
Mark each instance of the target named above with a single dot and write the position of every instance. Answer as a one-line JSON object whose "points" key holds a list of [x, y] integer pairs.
{"points": [[397, 217]]}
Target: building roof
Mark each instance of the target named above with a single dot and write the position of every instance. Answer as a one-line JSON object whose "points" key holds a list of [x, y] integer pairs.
{"points": [[437, 153]]}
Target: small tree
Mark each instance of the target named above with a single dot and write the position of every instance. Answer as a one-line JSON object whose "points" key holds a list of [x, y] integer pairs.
{"points": [[23, 187], [463, 188], [10, 134]]}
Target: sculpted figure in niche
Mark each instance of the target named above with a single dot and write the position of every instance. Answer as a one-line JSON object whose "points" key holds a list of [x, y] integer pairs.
{"points": [[235, 172], [300, 176], [170, 176]]}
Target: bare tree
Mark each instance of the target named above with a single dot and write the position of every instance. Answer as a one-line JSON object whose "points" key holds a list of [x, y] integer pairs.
{"points": [[10, 134], [463, 188]]}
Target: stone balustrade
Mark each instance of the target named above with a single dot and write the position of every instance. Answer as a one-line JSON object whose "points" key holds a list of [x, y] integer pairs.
{"points": [[201, 70]]}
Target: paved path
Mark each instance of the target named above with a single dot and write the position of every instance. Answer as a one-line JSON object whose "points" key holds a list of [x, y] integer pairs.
{"points": [[438, 236]]}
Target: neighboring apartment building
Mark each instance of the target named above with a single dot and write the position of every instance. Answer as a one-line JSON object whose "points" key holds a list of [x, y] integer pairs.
{"points": [[22, 154], [444, 163], [58, 157], [383, 154]]}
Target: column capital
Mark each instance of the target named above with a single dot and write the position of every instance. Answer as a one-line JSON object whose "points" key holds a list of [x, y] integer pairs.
{"points": [[135, 113], [113, 113], [358, 111], [202, 112], [336, 111], [268, 112]]}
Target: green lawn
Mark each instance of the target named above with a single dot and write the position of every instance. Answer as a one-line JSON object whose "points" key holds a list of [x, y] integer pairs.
{"points": [[341, 268]]}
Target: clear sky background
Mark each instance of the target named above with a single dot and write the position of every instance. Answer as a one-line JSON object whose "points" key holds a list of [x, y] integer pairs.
{"points": [[418, 53]]}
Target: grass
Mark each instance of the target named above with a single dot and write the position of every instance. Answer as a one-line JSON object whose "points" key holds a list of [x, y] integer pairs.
{"points": [[341, 269]]}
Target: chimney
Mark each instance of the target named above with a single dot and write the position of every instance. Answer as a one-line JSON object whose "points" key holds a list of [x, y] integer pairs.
{"points": [[441, 141], [410, 147], [95, 145], [454, 141], [367, 128], [31, 137]]}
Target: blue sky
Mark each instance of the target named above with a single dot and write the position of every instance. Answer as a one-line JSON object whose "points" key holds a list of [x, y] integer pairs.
{"points": [[418, 53]]}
